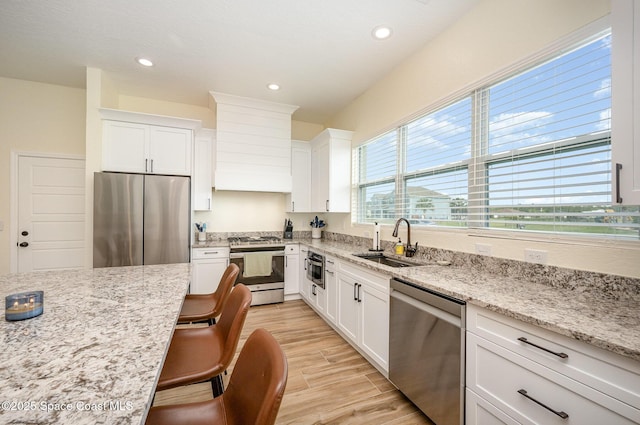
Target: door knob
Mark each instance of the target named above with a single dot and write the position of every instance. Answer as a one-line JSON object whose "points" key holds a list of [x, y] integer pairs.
{"points": [[24, 244], [24, 233]]}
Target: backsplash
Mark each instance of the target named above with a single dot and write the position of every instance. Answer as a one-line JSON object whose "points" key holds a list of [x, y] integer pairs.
{"points": [[611, 286]]}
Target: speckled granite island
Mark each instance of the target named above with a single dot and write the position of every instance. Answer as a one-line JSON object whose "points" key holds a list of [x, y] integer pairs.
{"points": [[95, 354]]}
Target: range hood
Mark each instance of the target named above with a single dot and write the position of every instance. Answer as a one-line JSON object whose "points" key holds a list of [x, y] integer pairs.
{"points": [[253, 144]]}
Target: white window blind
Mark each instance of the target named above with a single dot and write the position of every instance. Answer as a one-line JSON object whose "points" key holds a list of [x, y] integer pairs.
{"points": [[546, 157], [530, 153], [376, 170], [435, 183]]}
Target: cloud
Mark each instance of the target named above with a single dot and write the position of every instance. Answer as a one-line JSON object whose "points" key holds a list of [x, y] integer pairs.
{"points": [[604, 91], [516, 129]]}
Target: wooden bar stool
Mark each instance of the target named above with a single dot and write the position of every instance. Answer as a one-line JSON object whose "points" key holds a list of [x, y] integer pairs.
{"points": [[254, 395], [202, 354], [206, 307]]}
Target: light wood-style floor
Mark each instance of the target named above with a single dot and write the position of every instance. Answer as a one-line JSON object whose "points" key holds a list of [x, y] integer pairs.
{"points": [[329, 382]]}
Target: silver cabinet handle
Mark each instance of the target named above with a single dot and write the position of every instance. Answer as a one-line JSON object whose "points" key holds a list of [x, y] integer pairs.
{"points": [[359, 293], [562, 414], [326, 205], [146, 165], [526, 341], [293, 206], [355, 289], [328, 271], [152, 165], [210, 252]]}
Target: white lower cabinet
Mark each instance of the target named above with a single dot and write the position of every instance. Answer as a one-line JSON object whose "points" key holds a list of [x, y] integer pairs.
{"points": [[363, 311], [291, 270], [519, 373], [208, 267], [318, 299], [331, 288], [305, 284]]}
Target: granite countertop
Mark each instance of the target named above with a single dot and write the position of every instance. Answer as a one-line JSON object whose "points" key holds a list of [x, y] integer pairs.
{"points": [[585, 310], [95, 354]]}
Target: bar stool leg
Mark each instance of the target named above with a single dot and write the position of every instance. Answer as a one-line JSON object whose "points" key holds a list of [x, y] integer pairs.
{"points": [[217, 385]]}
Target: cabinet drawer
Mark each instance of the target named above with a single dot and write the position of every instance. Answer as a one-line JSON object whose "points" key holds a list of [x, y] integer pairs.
{"points": [[292, 248], [608, 372], [503, 375], [480, 412], [365, 276], [206, 253]]}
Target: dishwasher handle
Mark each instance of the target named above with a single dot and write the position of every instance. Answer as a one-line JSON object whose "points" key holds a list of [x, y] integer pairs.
{"points": [[429, 309]]}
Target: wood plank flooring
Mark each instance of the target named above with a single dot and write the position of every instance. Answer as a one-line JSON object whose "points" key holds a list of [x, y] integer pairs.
{"points": [[329, 382]]}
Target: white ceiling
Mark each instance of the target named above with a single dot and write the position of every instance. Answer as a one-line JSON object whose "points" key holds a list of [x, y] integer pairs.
{"points": [[321, 53]]}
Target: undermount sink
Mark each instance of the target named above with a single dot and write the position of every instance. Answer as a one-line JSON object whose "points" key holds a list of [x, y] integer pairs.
{"points": [[386, 261]]}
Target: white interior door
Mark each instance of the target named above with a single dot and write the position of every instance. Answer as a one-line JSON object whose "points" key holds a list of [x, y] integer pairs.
{"points": [[50, 213]]}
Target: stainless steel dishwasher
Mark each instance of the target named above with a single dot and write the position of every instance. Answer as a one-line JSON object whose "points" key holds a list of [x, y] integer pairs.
{"points": [[426, 350]]}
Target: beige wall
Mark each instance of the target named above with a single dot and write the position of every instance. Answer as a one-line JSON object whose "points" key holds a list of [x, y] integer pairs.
{"points": [[493, 36], [36, 118]]}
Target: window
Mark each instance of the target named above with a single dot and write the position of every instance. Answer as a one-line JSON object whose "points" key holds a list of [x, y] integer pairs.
{"points": [[527, 153]]}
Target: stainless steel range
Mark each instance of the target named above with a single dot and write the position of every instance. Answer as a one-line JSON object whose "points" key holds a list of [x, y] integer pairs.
{"points": [[261, 263]]}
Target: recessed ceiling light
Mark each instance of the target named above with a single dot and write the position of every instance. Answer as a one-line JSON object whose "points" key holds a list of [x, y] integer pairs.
{"points": [[273, 86], [381, 32], [144, 61]]}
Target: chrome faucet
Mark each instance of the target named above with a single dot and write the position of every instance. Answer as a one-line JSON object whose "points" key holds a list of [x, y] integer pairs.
{"points": [[411, 250]]}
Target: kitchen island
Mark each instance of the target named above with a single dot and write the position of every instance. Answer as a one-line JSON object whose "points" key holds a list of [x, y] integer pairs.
{"points": [[95, 354]]}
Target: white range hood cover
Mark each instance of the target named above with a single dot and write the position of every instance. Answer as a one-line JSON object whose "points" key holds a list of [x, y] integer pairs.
{"points": [[253, 144]]}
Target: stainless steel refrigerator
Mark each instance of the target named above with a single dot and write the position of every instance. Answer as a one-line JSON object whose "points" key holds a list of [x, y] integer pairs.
{"points": [[140, 219]]}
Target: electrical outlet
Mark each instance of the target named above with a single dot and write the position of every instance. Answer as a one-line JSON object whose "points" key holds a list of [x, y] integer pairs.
{"points": [[535, 256], [483, 249]]}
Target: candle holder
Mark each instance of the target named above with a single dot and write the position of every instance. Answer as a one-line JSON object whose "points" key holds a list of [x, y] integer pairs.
{"points": [[23, 305]]}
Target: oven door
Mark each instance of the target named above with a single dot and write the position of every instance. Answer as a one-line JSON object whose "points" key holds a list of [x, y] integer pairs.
{"points": [[315, 270], [275, 276]]}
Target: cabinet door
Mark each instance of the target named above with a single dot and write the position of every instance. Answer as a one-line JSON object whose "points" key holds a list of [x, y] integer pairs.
{"points": [[348, 310], [291, 274], [320, 177], [625, 100], [124, 146], [202, 171], [206, 275], [305, 284], [374, 324], [318, 299], [170, 150], [299, 200], [331, 289]]}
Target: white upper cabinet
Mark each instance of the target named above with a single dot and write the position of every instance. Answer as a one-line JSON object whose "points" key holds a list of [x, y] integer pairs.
{"points": [[625, 101], [299, 200], [202, 169], [253, 146], [139, 143], [331, 171]]}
